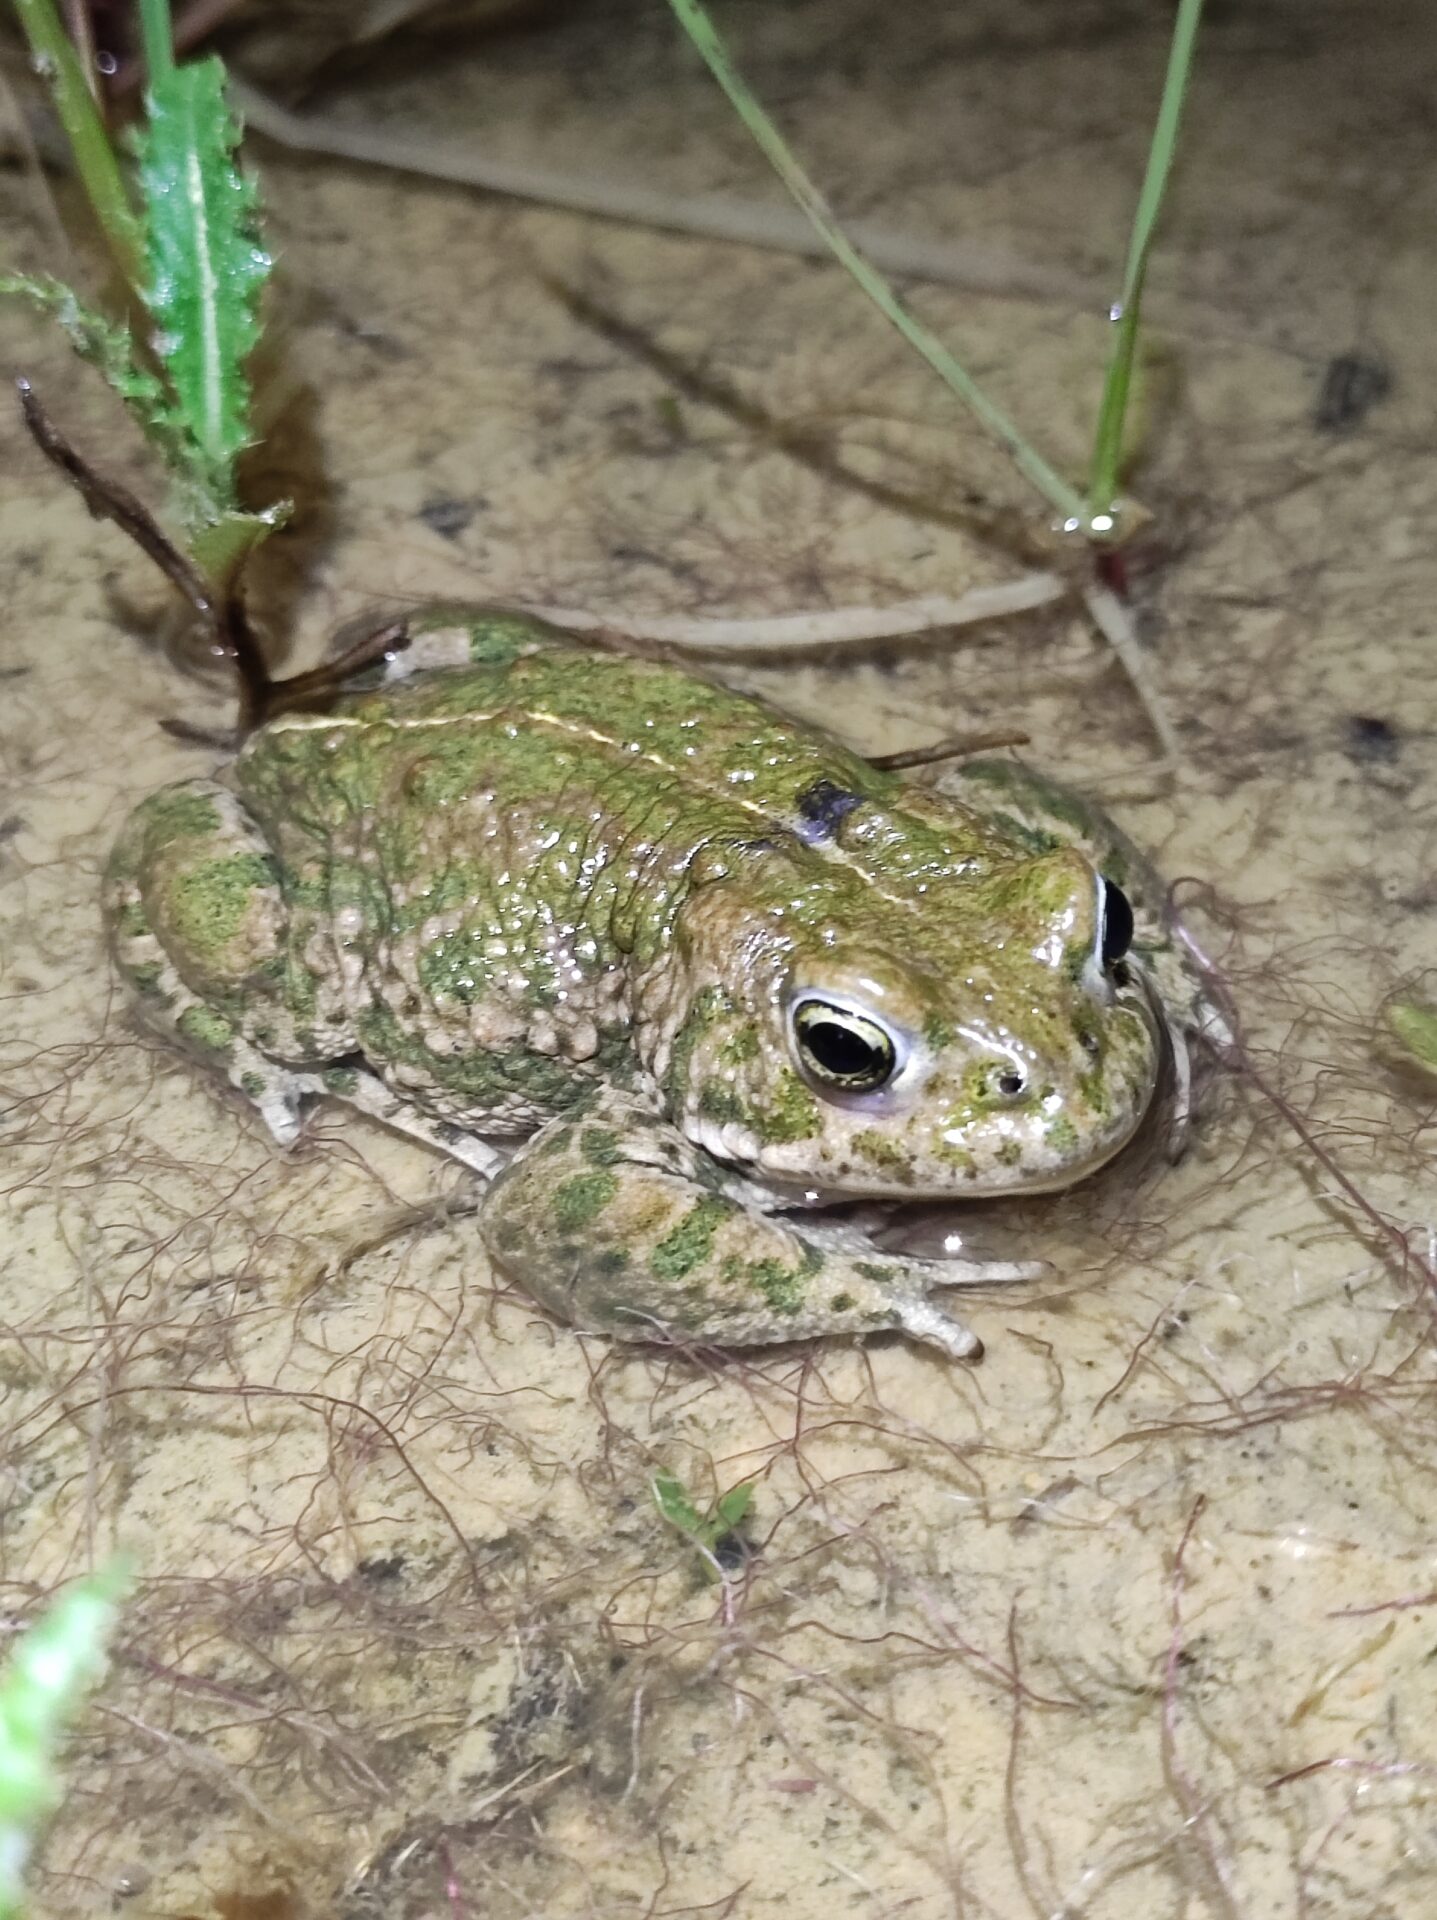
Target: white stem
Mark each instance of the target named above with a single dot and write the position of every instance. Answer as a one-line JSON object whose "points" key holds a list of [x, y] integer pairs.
{"points": [[1114, 622], [922, 618]]}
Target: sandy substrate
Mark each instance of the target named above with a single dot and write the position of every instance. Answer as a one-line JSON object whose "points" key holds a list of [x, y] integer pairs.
{"points": [[1136, 1621]]}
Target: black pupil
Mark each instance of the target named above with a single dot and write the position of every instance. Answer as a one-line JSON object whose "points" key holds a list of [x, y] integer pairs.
{"points": [[840, 1051], [1117, 923]]}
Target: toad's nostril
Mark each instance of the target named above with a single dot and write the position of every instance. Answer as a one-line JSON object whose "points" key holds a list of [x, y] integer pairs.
{"points": [[1010, 1084]]}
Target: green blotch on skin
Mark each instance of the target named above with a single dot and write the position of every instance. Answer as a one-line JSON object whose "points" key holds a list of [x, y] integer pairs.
{"points": [[145, 978], [785, 1288], [881, 1276], [742, 1045], [937, 1032], [958, 1157], [600, 1146], [1034, 839], [841, 1303], [610, 1262], [580, 1201], [209, 903], [341, 1080], [1094, 1090], [454, 965], [130, 921], [881, 1152], [709, 1005], [486, 1078], [691, 1241], [781, 1286], [791, 1112], [1062, 1134], [497, 642], [1010, 1154], [175, 814], [206, 1029], [252, 1084], [721, 1103]]}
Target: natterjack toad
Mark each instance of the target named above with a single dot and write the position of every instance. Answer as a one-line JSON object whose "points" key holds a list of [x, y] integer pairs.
{"points": [[713, 968]]}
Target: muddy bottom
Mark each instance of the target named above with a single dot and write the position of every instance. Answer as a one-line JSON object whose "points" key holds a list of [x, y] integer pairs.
{"points": [[1138, 1619]]}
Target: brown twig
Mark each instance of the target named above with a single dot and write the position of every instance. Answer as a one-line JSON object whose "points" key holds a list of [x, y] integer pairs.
{"points": [[108, 500], [957, 746], [318, 683]]}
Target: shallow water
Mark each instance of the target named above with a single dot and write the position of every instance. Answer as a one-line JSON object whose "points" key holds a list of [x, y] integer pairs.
{"points": [[1135, 1620]]}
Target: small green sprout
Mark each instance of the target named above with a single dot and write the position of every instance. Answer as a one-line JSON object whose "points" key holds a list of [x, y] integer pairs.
{"points": [[705, 1530], [40, 1686], [1413, 1025]]}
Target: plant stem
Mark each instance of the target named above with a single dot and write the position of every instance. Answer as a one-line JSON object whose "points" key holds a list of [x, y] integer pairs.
{"points": [[56, 59], [1031, 465], [158, 40], [1108, 446]]}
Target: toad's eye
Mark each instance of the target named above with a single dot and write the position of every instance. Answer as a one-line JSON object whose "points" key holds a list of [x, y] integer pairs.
{"points": [[1117, 933], [843, 1049]]}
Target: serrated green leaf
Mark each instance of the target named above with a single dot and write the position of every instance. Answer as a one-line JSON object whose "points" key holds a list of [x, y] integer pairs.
{"points": [[110, 346], [207, 268]]}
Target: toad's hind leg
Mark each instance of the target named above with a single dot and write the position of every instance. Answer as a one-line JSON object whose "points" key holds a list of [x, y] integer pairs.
{"points": [[617, 1223], [199, 926]]}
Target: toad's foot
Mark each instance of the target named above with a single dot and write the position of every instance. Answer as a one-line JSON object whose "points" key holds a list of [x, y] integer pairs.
{"points": [[617, 1223]]}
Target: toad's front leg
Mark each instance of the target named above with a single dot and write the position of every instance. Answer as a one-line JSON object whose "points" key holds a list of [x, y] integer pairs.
{"points": [[617, 1223]]}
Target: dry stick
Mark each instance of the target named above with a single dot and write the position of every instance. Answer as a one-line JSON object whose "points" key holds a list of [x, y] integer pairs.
{"points": [[1112, 619], [108, 500], [260, 695], [776, 229], [317, 683], [957, 746]]}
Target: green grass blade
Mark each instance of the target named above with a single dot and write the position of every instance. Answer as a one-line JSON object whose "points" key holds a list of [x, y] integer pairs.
{"points": [[1054, 489], [158, 41], [1108, 446], [40, 1685], [207, 269], [95, 161]]}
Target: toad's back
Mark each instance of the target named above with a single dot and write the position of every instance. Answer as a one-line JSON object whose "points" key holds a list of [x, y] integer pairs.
{"points": [[476, 865]]}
